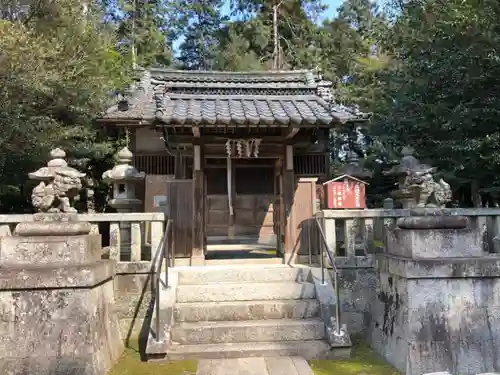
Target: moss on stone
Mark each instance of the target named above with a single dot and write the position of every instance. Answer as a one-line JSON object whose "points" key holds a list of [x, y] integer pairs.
{"points": [[363, 361], [130, 364]]}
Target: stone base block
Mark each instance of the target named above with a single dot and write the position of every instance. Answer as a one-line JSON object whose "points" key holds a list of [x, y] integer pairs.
{"points": [[435, 243], [59, 331], [435, 315], [49, 249]]}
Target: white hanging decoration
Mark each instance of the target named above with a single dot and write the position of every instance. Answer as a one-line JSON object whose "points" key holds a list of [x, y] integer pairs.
{"points": [[239, 147], [245, 148], [256, 145], [248, 148], [229, 148]]}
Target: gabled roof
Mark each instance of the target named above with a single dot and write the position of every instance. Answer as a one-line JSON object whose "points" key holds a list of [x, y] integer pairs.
{"points": [[343, 177], [187, 98]]}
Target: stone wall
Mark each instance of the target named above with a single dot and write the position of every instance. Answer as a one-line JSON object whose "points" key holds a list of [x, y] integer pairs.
{"points": [[50, 331], [57, 307], [437, 304], [358, 282], [133, 286], [429, 324]]}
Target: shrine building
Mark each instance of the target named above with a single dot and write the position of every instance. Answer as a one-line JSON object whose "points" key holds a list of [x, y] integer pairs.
{"points": [[232, 157]]}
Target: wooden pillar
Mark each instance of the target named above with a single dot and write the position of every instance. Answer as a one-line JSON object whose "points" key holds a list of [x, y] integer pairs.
{"points": [[301, 212], [180, 166], [288, 193], [197, 254]]}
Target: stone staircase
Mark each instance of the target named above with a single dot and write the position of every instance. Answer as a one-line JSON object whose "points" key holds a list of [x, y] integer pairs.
{"points": [[248, 311]]}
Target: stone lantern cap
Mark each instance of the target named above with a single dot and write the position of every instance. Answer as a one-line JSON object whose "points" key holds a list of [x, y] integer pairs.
{"points": [[56, 164], [407, 163], [123, 171]]}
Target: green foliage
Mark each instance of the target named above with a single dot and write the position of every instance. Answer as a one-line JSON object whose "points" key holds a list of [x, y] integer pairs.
{"points": [[428, 70], [149, 26], [239, 46], [57, 70], [249, 42], [198, 50], [440, 93]]}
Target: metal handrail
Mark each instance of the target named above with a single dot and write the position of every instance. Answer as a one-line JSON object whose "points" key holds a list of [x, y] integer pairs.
{"points": [[164, 254], [331, 256]]}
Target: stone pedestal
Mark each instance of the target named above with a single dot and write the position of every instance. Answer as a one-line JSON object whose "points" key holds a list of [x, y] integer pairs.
{"points": [[438, 299], [405, 197], [56, 300]]}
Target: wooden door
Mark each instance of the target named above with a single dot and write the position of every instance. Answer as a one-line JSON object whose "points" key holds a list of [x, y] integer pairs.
{"points": [[253, 199], [180, 210]]}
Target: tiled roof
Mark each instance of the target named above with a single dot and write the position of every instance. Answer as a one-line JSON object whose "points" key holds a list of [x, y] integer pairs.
{"points": [[297, 98], [185, 109]]}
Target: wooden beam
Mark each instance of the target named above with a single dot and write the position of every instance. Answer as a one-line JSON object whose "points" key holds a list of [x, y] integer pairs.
{"points": [[196, 131], [222, 139], [291, 132]]}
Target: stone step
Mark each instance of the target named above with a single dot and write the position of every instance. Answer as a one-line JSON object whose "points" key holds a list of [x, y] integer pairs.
{"points": [[245, 292], [254, 366], [315, 349], [214, 275], [244, 261], [246, 310], [248, 331]]}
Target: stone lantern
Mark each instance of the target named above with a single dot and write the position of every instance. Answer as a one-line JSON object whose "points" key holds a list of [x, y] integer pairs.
{"points": [[416, 184], [354, 168], [407, 164], [124, 178]]}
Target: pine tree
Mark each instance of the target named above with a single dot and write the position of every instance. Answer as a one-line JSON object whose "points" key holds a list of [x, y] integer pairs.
{"points": [[143, 28], [199, 48]]}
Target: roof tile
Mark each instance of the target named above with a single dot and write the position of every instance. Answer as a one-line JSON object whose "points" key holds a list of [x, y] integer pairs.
{"points": [[152, 99], [182, 109]]}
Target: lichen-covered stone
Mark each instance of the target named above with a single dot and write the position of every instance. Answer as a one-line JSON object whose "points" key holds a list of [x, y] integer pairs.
{"points": [[50, 329], [440, 322], [48, 250], [59, 185], [133, 297], [435, 243], [57, 306]]}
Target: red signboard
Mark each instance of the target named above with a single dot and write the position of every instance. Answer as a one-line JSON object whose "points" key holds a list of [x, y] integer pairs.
{"points": [[345, 192]]}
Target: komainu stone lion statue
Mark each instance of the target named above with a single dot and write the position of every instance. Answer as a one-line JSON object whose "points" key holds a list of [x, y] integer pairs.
{"points": [[59, 185], [55, 196], [428, 192]]}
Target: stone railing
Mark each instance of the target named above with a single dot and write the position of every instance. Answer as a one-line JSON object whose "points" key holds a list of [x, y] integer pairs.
{"points": [[125, 237], [355, 234], [447, 373]]}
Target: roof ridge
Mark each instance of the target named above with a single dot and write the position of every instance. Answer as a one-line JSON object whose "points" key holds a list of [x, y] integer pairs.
{"points": [[240, 72], [311, 96]]}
